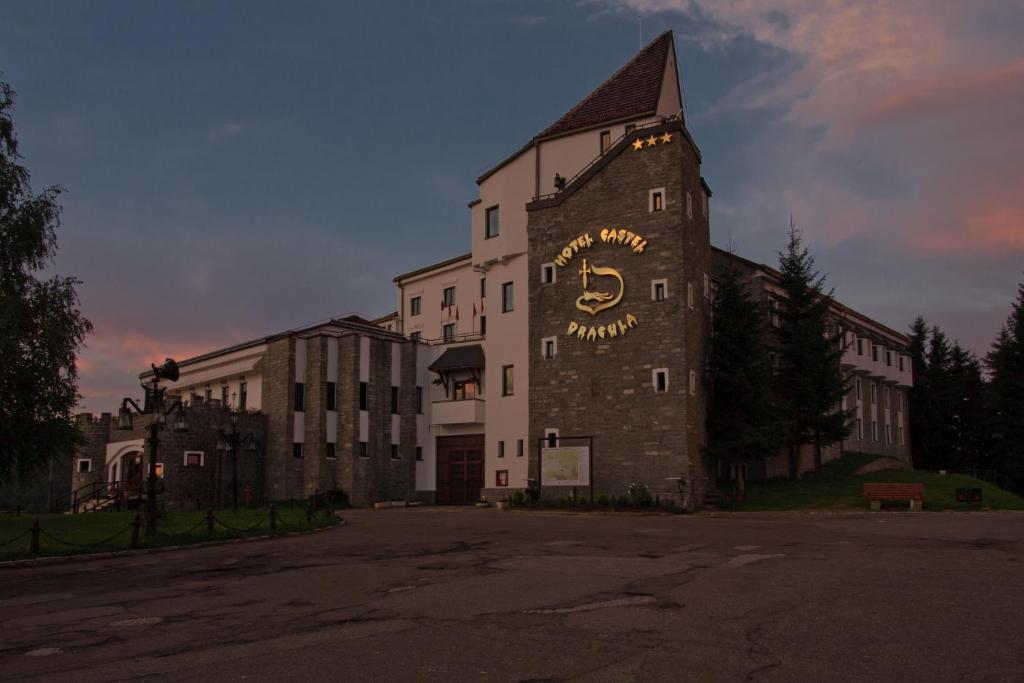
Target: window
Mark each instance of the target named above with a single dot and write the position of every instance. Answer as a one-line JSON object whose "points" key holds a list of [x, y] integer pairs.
{"points": [[225, 397], [885, 397], [483, 325], [659, 290], [874, 430], [899, 402], [707, 286], [773, 313], [448, 332], [332, 396], [463, 389], [243, 394], [419, 400], [207, 395], [888, 358], [363, 396], [506, 297], [300, 397], [660, 377], [547, 273], [415, 305], [689, 294], [483, 288], [448, 296], [84, 466], [860, 429], [899, 432], [501, 478], [860, 346], [394, 400], [874, 392], [888, 433], [491, 223], [689, 205], [501, 449], [419, 453], [506, 380], [159, 470], [606, 140], [901, 363], [552, 437], [297, 450], [193, 458], [693, 382], [548, 347], [394, 451], [859, 389], [656, 201], [330, 453], [363, 453], [874, 353], [519, 448]]}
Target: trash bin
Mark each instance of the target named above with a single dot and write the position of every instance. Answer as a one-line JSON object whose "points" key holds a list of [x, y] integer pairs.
{"points": [[975, 495], [961, 495]]}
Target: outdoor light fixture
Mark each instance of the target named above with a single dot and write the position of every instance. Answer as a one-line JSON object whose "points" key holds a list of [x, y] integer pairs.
{"points": [[230, 441], [153, 405]]}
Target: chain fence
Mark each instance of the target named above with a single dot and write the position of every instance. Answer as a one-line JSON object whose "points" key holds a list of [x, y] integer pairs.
{"points": [[272, 521]]}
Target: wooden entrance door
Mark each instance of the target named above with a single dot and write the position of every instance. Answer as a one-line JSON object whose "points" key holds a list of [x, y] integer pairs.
{"points": [[460, 469]]}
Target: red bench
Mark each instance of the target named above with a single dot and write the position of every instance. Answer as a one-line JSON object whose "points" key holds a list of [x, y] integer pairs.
{"points": [[876, 493]]}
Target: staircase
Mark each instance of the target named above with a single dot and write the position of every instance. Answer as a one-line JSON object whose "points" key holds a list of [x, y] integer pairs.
{"points": [[90, 498]]}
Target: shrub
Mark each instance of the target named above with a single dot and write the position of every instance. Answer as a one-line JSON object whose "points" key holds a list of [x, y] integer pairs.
{"points": [[518, 499], [603, 501], [639, 495]]}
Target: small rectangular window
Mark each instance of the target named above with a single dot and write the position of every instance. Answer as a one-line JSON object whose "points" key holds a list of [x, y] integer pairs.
{"points": [[859, 389], [873, 393], [501, 449], [394, 451], [419, 400], [874, 430], [661, 381], [193, 458], [331, 453], [491, 223], [657, 202], [394, 400], [364, 450], [552, 437], [689, 294], [448, 297], [448, 332], [888, 358], [547, 273], [483, 325], [84, 466], [506, 297], [243, 394], [297, 450], [419, 453], [658, 291], [860, 346], [415, 305], [300, 396], [501, 478], [606, 140], [506, 380], [693, 382], [363, 396], [159, 470], [332, 396], [483, 288], [207, 395], [874, 353], [901, 363], [519, 448], [548, 347], [225, 396]]}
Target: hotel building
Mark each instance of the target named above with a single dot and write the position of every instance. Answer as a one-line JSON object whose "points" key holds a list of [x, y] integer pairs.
{"points": [[579, 316]]}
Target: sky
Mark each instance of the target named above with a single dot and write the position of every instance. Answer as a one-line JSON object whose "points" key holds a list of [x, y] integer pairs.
{"points": [[236, 169]]}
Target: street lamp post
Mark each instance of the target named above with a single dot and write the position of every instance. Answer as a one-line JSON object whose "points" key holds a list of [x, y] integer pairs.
{"points": [[232, 441], [154, 407]]}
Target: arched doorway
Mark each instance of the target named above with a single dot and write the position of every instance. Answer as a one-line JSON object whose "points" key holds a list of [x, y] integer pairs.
{"points": [[132, 474]]}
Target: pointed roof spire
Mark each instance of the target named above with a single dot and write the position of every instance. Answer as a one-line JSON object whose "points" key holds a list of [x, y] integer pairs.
{"points": [[633, 90]]}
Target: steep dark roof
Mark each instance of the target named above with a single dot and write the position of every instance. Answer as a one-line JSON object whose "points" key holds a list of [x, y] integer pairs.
{"points": [[459, 358], [633, 90]]}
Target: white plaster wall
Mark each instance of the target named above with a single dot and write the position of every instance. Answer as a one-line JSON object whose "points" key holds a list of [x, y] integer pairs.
{"points": [[430, 288], [568, 155]]}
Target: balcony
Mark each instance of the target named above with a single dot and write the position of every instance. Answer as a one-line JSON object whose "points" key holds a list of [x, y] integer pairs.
{"points": [[457, 412]]}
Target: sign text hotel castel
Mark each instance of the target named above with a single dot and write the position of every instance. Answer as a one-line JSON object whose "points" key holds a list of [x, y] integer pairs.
{"points": [[603, 286]]}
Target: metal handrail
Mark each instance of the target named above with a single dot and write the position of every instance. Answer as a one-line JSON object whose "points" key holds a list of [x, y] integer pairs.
{"points": [[639, 126]]}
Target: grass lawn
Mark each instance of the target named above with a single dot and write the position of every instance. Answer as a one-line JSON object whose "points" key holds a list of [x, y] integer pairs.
{"points": [[837, 487], [107, 530]]}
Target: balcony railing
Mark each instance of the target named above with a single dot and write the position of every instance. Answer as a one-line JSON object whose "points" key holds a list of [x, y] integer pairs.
{"points": [[458, 411]]}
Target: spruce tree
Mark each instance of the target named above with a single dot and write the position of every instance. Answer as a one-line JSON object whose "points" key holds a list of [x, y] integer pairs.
{"points": [[743, 420], [1006, 364], [811, 385], [41, 326], [941, 400], [968, 444], [918, 399]]}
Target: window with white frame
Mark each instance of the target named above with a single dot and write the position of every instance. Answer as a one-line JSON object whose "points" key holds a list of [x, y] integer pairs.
{"points": [[551, 437], [415, 305], [656, 199], [448, 296], [548, 347], [547, 273], [693, 382], [194, 458], [84, 465], [659, 290], [659, 379]]}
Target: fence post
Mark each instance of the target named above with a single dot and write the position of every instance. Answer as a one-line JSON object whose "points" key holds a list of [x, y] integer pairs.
{"points": [[34, 542], [209, 522], [136, 524], [273, 520]]}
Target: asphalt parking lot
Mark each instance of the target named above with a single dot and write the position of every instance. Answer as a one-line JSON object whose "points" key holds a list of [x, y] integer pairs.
{"points": [[470, 594]]}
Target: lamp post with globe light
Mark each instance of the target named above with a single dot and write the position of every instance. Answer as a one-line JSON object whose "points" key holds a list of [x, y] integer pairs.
{"points": [[231, 441]]}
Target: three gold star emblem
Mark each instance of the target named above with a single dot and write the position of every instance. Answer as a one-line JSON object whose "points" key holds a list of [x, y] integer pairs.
{"points": [[651, 141]]}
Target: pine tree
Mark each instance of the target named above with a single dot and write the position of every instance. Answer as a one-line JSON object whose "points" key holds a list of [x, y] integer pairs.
{"points": [[810, 380], [918, 399], [41, 326], [1006, 365], [941, 397], [968, 443], [743, 420]]}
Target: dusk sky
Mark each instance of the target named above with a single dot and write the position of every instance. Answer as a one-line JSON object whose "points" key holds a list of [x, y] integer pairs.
{"points": [[235, 169]]}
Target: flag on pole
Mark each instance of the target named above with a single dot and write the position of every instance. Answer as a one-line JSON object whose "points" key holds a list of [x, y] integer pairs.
{"points": [[456, 312], [474, 310]]}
